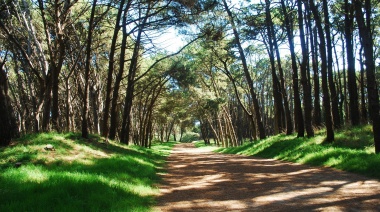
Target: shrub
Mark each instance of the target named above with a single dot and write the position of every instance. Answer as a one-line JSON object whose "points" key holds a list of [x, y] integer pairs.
{"points": [[190, 137]]}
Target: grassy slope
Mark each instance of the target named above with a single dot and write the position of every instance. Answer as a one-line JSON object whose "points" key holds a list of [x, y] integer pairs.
{"points": [[80, 175], [352, 150]]}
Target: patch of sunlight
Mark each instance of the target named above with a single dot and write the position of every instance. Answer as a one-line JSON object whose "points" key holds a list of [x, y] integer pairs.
{"points": [[292, 194], [59, 138], [94, 152], [78, 158], [318, 139], [333, 161], [144, 190], [318, 154], [139, 189], [78, 176], [34, 174], [370, 150], [141, 161]]}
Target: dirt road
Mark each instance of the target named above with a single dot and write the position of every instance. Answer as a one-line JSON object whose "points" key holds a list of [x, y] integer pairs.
{"points": [[199, 180]]}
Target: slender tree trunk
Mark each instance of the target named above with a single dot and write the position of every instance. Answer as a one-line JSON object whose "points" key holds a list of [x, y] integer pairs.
{"points": [[363, 108], [352, 87], [46, 99], [126, 123], [346, 109], [119, 77], [325, 89], [317, 120], [87, 73], [334, 96], [304, 77], [288, 114], [278, 108], [297, 101], [111, 67]]}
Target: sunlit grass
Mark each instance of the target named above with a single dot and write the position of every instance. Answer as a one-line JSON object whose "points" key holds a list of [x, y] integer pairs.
{"points": [[80, 175], [352, 150]]}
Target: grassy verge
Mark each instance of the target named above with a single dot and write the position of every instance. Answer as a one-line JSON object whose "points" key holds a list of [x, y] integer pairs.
{"points": [[80, 175], [352, 150]]}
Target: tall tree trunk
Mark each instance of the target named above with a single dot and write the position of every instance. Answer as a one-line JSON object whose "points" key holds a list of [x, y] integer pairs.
{"points": [[126, 123], [111, 67], [334, 96], [284, 93], [87, 73], [367, 42], [297, 101], [346, 109], [278, 108], [119, 77], [317, 117], [352, 87], [363, 108], [247, 74], [46, 99], [325, 89], [304, 77]]}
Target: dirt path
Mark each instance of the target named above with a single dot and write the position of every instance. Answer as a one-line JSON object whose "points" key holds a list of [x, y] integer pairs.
{"points": [[199, 180]]}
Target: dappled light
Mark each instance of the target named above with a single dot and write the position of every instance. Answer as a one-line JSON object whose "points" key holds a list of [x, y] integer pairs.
{"points": [[198, 179]]}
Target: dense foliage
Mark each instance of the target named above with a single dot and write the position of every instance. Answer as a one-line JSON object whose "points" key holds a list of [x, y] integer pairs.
{"points": [[249, 69]]}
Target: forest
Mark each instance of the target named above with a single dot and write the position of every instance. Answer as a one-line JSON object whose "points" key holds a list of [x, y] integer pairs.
{"points": [[245, 70]]}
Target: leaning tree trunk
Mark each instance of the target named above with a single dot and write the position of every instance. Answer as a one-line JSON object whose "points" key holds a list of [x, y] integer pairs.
{"points": [[247, 74], [126, 123]]}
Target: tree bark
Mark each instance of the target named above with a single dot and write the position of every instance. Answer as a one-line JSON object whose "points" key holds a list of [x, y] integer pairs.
{"points": [[304, 77], [276, 88], [126, 123], [367, 42], [87, 73], [297, 100], [352, 87], [325, 89], [334, 96], [111, 68]]}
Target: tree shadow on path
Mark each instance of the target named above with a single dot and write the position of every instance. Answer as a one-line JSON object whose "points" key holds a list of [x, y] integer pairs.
{"points": [[200, 180]]}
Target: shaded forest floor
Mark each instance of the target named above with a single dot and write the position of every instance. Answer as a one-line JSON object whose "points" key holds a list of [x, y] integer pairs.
{"points": [[199, 179]]}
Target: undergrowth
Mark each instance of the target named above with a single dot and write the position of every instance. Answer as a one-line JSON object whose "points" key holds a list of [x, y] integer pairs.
{"points": [[80, 175]]}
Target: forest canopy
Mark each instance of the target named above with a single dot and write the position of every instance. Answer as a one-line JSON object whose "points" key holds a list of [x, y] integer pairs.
{"points": [[246, 69]]}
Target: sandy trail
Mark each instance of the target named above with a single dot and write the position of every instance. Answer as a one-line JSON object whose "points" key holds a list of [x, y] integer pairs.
{"points": [[199, 180]]}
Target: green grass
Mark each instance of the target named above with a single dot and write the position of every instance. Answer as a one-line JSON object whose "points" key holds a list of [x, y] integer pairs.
{"points": [[80, 175], [353, 150]]}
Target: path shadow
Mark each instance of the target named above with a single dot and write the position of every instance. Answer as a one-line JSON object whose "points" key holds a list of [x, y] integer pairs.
{"points": [[205, 181]]}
